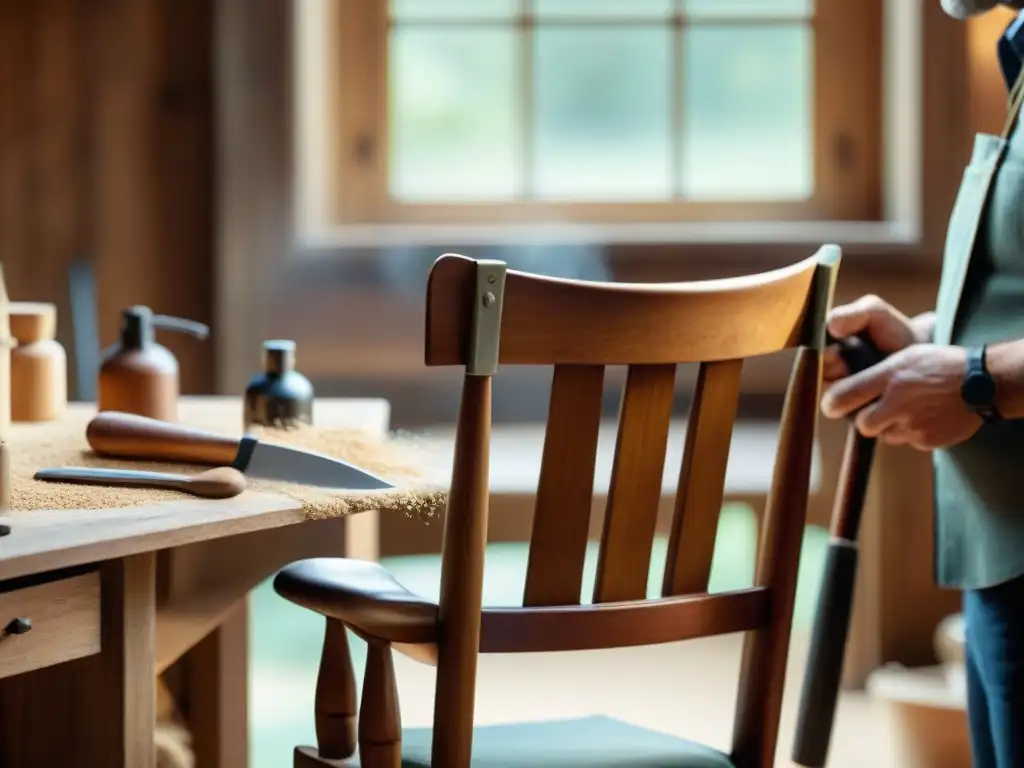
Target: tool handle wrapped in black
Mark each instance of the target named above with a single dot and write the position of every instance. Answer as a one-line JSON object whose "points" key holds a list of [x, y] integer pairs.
{"points": [[822, 677], [858, 352], [823, 674]]}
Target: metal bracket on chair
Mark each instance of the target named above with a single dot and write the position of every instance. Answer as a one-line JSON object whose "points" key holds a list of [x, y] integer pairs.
{"points": [[485, 333], [822, 290]]}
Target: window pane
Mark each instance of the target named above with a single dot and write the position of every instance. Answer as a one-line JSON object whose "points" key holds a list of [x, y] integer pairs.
{"points": [[603, 9], [402, 10], [602, 113], [760, 9], [454, 114], [747, 112]]}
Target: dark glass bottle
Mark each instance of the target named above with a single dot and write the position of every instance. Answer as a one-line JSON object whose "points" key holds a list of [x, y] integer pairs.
{"points": [[280, 396]]}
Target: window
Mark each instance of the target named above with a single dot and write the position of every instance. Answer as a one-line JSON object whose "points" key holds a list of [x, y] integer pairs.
{"points": [[575, 111]]}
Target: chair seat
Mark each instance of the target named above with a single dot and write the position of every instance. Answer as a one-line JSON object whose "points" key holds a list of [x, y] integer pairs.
{"points": [[591, 742]]}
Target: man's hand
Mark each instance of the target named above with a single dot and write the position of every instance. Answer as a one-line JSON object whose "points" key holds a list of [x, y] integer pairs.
{"points": [[912, 398], [888, 328]]}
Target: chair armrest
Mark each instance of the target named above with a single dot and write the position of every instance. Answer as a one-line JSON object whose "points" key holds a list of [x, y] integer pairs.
{"points": [[362, 595]]}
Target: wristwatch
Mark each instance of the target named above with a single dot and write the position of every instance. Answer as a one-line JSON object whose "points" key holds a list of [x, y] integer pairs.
{"points": [[978, 389]]}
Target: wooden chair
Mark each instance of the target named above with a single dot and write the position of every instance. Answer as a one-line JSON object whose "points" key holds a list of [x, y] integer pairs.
{"points": [[480, 315]]}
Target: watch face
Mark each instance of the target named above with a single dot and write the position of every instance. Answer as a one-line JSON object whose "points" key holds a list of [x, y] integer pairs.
{"points": [[979, 390]]}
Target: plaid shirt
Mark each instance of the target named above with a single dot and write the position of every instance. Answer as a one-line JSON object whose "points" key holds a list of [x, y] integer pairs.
{"points": [[1010, 50]]}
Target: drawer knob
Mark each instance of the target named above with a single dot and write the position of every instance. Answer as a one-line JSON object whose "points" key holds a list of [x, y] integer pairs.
{"points": [[18, 626]]}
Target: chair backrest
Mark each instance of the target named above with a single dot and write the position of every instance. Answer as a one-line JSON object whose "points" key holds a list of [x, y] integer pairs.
{"points": [[480, 315]]}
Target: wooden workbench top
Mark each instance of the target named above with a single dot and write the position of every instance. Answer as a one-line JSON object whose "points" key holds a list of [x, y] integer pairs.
{"points": [[51, 539]]}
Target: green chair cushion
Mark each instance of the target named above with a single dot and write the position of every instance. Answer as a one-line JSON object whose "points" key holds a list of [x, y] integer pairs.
{"points": [[591, 742]]}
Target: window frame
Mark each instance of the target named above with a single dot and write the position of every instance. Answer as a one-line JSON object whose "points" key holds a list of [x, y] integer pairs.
{"points": [[846, 113]]}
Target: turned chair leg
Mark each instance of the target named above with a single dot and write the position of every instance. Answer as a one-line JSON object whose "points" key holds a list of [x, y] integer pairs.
{"points": [[380, 724], [335, 703]]}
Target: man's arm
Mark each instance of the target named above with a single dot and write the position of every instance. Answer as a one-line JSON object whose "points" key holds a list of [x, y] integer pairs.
{"points": [[924, 327], [1006, 364]]}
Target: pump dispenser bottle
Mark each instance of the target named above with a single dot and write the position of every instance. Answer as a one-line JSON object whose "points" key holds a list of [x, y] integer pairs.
{"points": [[138, 375]]}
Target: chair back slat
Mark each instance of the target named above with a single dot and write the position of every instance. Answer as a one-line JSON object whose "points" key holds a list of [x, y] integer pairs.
{"points": [[698, 504], [561, 521], [635, 491]]}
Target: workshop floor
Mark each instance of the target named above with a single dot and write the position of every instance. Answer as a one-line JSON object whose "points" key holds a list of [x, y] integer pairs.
{"points": [[695, 701]]}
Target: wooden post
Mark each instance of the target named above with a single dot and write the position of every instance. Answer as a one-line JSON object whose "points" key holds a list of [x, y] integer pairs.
{"points": [[5, 394], [216, 703]]}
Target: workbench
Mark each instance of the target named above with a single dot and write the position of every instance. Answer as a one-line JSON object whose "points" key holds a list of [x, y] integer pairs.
{"points": [[117, 595]]}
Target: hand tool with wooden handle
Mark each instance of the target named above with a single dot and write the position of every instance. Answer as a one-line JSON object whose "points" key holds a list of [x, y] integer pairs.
{"points": [[824, 670], [127, 436], [219, 483]]}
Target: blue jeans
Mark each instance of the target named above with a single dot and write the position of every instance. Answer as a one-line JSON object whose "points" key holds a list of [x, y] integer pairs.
{"points": [[994, 622]]}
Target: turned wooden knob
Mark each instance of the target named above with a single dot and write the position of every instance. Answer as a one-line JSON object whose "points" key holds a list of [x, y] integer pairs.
{"points": [[18, 626]]}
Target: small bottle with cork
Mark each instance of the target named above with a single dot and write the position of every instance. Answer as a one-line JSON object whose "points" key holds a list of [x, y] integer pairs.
{"points": [[39, 368], [138, 375], [280, 396]]}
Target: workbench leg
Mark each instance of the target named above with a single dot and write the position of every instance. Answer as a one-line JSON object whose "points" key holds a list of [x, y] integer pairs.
{"points": [[217, 693], [362, 536], [96, 712]]}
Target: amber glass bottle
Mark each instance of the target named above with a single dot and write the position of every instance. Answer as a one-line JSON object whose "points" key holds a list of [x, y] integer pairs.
{"points": [[138, 375]]}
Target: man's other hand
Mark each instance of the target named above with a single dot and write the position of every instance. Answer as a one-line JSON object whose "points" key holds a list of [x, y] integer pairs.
{"points": [[912, 398]]}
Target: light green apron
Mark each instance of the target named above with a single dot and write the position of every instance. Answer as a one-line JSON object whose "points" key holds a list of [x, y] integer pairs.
{"points": [[979, 485]]}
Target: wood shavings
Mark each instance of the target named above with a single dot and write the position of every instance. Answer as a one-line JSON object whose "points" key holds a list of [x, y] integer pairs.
{"points": [[400, 460]]}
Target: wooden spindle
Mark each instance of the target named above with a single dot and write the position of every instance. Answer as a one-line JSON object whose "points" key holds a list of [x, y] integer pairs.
{"points": [[335, 708], [380, 722]]}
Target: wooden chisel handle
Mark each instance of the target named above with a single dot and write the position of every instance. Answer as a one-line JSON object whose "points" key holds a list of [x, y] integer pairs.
{"points": [[127, 436]]}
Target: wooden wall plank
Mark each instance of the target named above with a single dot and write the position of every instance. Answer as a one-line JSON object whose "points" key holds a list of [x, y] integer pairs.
{"points": [[106, 152], [42, 138]]}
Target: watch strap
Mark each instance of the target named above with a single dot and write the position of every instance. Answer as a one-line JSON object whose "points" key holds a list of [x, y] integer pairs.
{"points": [[976, 365], [976, 360]]}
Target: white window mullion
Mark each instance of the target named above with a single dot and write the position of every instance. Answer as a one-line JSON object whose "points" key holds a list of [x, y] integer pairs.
{"points": [[677, 101], [526, 96]]}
